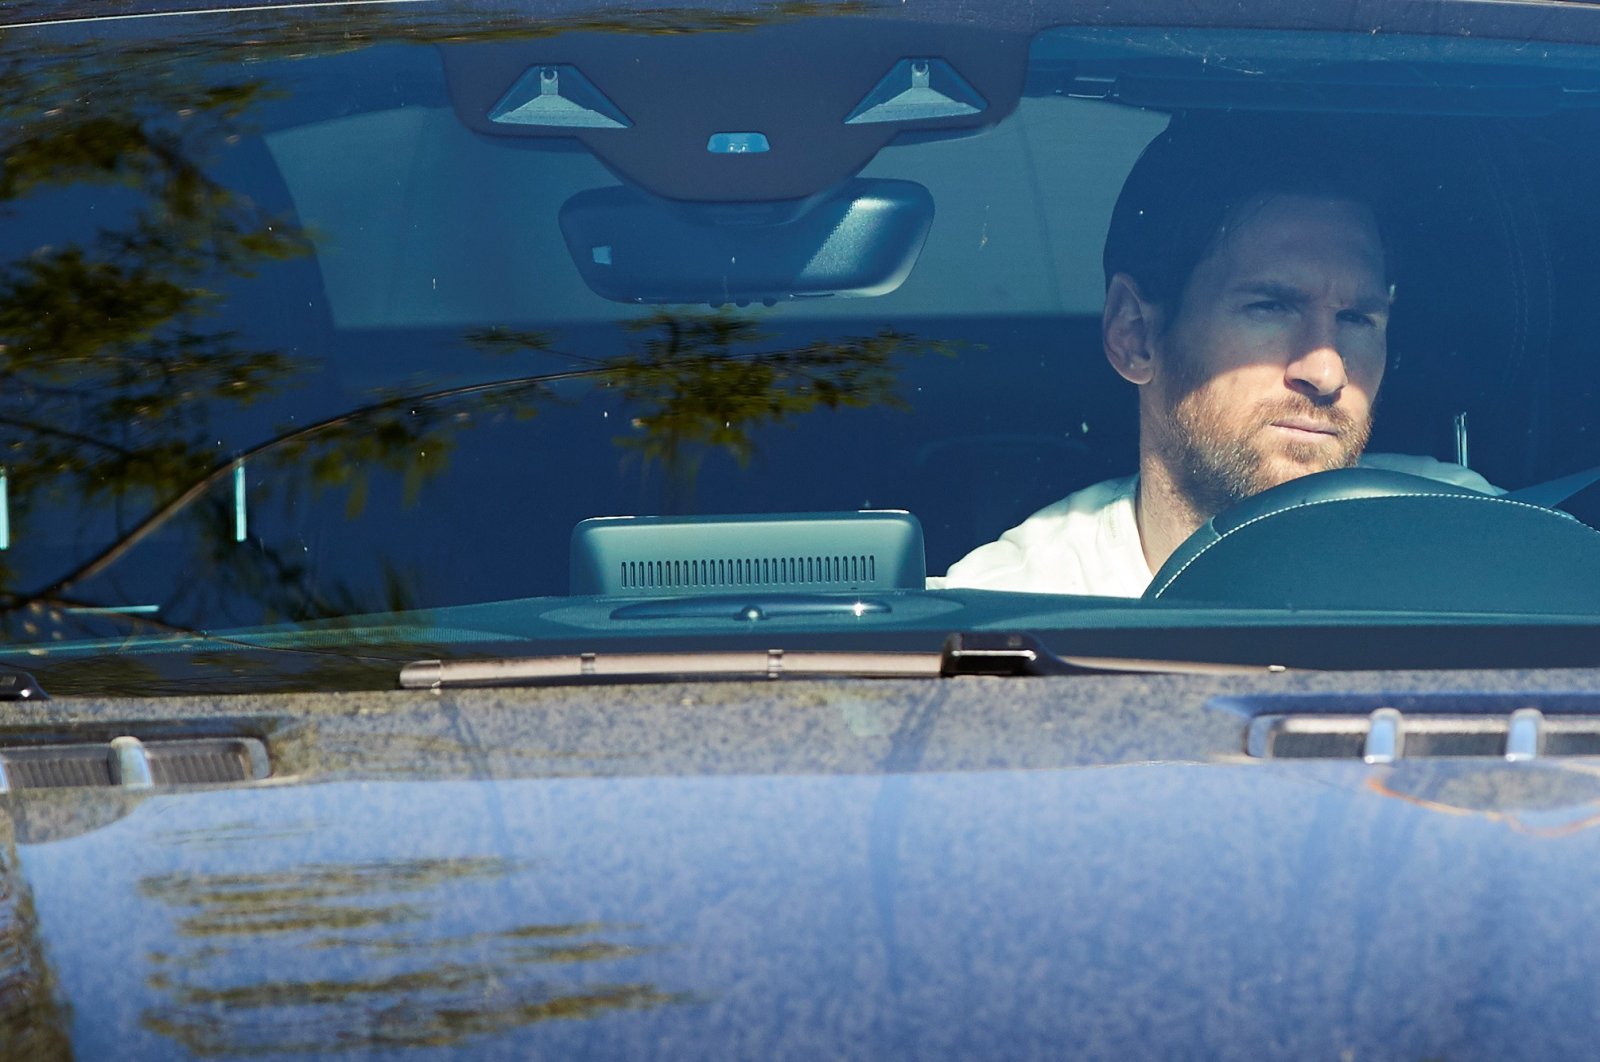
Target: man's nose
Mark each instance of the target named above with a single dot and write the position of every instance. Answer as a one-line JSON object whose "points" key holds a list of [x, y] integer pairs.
{"points": [[1318, 370]]}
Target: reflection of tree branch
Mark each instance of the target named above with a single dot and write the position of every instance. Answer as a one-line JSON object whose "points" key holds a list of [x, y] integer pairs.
{"points": [[316, 881], [144, 528], [250, 35], [34, 1025], [67, 436], [100, 334], [104, 333], [66, 604], [468, 1003], [540, 932], [695, 391], [416, 983], [698, 397]]}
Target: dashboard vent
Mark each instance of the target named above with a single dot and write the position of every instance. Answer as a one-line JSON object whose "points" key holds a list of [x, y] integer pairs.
{"points": [[1387, 735], [840, 570], [130, 763]]}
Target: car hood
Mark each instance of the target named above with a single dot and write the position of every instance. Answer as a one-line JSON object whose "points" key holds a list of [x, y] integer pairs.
{"points": [[986, 868]]}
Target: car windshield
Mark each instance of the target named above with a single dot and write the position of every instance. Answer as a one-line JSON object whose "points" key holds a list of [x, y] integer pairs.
{"points": [[339, 331]]}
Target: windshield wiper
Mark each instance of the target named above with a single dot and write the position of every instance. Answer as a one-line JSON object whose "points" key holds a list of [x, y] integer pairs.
{"points": [[1012, 654], [18, 685], [981, 653], [634, 667]]}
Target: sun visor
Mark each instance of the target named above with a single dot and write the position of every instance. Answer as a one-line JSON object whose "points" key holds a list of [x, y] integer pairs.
{"points": [[740, 115]]}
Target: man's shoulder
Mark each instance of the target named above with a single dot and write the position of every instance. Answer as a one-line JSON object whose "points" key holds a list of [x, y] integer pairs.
{"points": [[1088, 503], [1430, 468], [1086, 543]]}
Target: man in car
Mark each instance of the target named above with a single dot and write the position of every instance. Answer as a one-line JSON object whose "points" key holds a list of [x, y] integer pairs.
{"points": [[1247, 299]]}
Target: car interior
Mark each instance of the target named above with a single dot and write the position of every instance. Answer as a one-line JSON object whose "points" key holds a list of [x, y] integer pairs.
{"points": [[520, 302]]}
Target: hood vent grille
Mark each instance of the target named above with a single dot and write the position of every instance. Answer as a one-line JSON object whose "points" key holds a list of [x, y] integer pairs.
{"points": [[129, 763], [57, 768], [1387, 735]]}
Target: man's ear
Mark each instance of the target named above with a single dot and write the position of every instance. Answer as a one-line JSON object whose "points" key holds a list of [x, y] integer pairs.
{"points": [[1129, 326]]}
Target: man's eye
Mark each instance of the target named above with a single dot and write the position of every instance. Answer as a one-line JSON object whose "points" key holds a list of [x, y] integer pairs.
{"points": [[1266, 306], [1365, 320]]}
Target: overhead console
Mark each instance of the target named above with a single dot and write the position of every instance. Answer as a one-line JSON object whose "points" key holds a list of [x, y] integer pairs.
{"points": [[741, 115]]}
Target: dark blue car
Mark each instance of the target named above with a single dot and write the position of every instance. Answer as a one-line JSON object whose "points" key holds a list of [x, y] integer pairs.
{"points": [[564, 530]]}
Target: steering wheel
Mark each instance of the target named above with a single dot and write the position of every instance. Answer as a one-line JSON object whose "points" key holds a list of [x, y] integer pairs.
{"points": [[1368, 538]]}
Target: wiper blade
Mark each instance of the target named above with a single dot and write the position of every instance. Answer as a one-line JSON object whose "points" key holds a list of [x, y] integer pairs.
{"points": [[631, 667], [997, 654]]}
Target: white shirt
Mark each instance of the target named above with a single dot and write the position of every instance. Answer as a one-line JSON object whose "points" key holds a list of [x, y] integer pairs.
{"points": [[1088, 542]]}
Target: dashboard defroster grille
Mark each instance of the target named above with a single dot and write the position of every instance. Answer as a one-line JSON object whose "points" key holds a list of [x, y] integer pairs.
{"points": [[847, 570]]}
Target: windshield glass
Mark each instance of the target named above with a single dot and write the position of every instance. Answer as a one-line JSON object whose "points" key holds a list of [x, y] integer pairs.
{"points": [[319, 316]]}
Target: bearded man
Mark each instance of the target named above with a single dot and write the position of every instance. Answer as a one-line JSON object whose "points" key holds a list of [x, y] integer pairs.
{"points": [[1247, 298]]}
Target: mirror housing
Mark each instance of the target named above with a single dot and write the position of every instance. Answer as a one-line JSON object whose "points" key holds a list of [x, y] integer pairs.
{"points": [[859, 241]]}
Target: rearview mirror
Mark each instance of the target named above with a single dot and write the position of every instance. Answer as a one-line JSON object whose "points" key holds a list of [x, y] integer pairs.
{"points": [[860, 241]]}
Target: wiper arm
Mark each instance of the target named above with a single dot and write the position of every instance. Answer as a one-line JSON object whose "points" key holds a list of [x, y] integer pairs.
{"points": [[998, 654], [1017, 654], [18, 685]]}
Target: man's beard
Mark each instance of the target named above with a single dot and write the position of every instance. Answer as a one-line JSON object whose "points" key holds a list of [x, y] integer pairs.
{"points": [[1218, 461]]}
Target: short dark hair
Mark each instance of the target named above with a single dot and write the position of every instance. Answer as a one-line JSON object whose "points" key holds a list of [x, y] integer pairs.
{"points": [[1193, 178]]}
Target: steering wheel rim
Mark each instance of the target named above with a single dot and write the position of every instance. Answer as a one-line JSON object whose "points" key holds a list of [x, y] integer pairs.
{"points": [[1366, 539]]}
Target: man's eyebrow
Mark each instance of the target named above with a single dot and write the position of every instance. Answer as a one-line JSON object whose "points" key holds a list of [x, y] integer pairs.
{"points": [[1368, 302], [1272, 289]]}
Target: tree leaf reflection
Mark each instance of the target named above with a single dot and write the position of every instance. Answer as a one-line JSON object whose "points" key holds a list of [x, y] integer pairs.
{"points": [[387, 971], [692, 390], [34, 1024], [250, 33], [109, 357], [118, 368]]}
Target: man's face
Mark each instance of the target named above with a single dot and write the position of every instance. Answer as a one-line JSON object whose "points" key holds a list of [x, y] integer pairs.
{"points": [[1270, 367]]}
